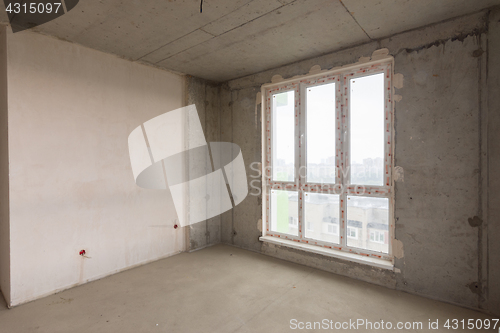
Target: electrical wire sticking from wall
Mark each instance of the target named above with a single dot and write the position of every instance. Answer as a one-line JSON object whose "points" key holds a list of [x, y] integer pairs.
{"points": [[201, 6]]}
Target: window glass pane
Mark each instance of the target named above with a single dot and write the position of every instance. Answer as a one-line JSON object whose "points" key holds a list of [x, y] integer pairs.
{"points": [[367, 130], [284, 212], [283, 137], [369, 217], [320, 120], [321, 217]]}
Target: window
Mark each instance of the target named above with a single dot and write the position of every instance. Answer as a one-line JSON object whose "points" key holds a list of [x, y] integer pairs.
{"points": [[310, 226], [376, 236], [352, 233], [328, 159], [332, 229]]}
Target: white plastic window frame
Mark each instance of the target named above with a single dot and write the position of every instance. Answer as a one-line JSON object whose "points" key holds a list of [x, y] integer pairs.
{"points": [[342, 186]]}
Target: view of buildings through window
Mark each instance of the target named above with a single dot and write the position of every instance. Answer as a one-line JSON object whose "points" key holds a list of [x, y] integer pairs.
{"points": [[367, 226]]}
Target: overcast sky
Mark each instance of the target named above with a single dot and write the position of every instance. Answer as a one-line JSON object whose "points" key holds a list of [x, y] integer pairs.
{"points": [[367, 121]]}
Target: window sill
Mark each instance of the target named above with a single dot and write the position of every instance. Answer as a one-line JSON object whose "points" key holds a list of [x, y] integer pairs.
{"points": [[380, 263]]}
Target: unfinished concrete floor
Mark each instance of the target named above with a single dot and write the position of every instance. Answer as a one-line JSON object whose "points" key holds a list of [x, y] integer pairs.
{"points": [[222, 289]]}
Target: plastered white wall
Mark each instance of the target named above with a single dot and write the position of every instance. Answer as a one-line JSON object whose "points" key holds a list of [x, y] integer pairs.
{"points": [[71, 110]]}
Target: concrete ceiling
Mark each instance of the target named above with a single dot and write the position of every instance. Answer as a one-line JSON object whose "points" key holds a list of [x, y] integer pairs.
{"points": [[234, 38]]}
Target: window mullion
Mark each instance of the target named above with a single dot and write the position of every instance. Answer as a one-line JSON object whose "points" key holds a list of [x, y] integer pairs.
{"points": [[338, 131], [344, 174], [388, 105], [301, 174]]}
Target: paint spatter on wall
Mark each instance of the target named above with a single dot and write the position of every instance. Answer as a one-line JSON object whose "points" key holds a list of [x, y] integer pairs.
{"points": [[276, 78], [475, 221], [397, 248], [398, 80], [258, 99], [315, 69], [399, 174]]}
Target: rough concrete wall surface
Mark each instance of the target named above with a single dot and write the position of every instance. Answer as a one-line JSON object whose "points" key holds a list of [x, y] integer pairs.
{"points": [[4, 173], [71, 110], [226, 135], [438, 142], [437, 145], [493, 153], [206, 97]]}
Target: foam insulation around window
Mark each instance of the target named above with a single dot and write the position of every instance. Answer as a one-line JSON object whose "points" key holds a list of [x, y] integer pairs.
{"points": [[380, 54]]}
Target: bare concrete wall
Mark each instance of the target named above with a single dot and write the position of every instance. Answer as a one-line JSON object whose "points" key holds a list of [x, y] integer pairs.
{"points": [[493, 154], [206, 97], [438, 146], [440, 142], [71, 110], [4, 173]]}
